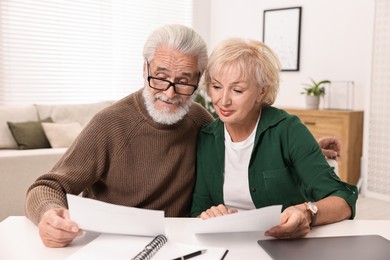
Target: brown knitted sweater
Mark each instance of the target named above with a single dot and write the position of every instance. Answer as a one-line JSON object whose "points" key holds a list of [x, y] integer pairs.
{"points": [[124, 157]]}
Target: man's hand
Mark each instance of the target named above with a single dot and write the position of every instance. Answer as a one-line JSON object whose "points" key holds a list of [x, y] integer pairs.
{"points": [[216, 211], [56, 229], [294, 223], [330, 146]]}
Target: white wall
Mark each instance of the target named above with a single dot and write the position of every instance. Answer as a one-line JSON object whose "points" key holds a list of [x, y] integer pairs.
{"points": [[336, 39], [201, 18]]}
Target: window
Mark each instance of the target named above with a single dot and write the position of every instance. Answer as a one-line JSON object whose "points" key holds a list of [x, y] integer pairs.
{"points": [[61, 51]]}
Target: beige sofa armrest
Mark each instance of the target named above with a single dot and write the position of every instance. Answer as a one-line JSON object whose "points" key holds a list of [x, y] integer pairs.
{"points": [[18, 170]]}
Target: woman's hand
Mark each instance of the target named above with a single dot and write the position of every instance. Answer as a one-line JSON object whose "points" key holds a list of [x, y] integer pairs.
{"points": [[294, 223], [216, 211]]}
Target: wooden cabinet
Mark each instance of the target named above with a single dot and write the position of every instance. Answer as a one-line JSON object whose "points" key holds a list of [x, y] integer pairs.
{"points": [[347, 126]]}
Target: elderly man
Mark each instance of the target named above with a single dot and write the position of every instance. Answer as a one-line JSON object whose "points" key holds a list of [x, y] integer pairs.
{"points": [[139, 152]]}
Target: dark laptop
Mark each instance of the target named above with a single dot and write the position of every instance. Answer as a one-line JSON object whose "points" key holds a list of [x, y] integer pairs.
{"points": [[364, 247]]}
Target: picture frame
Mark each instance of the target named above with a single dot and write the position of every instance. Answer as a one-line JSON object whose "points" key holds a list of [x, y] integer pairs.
{"points": [[282, 33]]}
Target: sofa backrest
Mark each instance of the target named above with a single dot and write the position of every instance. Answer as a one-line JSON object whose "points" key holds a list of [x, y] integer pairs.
{"points": [[14, 113], [59, 113], [69, 113]]}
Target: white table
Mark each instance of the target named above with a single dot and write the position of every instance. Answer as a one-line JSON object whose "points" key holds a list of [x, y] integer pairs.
{"points": [[19, 238]]}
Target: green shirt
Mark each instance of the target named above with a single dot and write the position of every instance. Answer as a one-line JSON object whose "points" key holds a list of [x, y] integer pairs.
{"points": [[286, 167]]}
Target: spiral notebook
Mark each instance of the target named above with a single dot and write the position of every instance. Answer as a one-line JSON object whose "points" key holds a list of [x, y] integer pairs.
{"points": [[111, 246], [151, 249]]}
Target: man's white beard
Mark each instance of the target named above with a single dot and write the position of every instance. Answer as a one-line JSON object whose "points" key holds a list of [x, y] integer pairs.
{"points": [[165, 116]]}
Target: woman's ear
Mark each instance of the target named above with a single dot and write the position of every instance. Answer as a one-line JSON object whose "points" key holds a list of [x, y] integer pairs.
{"points": [[261, 94]]}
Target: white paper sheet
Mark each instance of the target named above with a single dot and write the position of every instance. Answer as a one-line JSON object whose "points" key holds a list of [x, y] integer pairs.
{"points": [[97, 216], [260, 219], [118, 247]]}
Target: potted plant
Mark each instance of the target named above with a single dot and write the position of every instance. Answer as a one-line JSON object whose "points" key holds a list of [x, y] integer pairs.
{"points": [[313, 92]]}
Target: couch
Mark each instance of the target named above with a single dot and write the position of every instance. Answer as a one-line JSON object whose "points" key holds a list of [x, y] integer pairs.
{"points": [[20, 167], [22, 158]]}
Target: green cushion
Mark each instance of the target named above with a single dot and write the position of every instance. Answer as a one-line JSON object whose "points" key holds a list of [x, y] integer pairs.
{"points": [[30, 134]]}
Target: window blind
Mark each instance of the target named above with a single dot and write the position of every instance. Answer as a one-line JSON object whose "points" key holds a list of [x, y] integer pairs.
{"points": [[376, 167], [61, 51]]}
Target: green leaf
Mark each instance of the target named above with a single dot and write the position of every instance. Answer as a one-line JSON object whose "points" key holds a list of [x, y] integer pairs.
{"points": [[315, 88]]}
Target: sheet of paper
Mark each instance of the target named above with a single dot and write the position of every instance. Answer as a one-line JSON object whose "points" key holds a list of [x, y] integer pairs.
{"points": [[118, 247], [260, 219], [97, 216]]}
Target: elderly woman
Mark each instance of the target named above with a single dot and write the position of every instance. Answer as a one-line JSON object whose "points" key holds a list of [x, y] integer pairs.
{"points": [[256, 155]]}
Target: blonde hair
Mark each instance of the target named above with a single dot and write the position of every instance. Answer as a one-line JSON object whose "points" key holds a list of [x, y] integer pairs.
{"points": [[252, 58]]}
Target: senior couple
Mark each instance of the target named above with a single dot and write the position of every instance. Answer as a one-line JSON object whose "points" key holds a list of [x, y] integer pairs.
{"points": [[156, 149]]}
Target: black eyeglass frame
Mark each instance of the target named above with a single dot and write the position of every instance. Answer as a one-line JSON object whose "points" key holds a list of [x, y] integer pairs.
{"points": [[173, 84]]}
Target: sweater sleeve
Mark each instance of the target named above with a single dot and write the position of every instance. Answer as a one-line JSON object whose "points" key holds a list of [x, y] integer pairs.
{"points": [[77, 169]]}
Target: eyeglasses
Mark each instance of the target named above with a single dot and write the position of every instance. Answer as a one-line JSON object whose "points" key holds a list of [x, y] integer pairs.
{"points": [[180, 88]]}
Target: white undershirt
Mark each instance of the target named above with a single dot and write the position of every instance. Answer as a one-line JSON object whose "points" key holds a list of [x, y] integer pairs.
{"points": [[236, 185]]}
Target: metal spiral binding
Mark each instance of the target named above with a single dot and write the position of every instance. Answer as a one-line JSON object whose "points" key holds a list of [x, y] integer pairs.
{"points": [[151, 248]]}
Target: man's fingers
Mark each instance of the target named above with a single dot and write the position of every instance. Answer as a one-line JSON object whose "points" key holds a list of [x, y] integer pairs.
{"points": [[53, 237], [60, 219], [62, 234], [56, 229], [68, 226]]}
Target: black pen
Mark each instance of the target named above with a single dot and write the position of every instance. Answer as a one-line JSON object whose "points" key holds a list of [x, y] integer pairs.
{"points": [[191, 255], [224, 254]]}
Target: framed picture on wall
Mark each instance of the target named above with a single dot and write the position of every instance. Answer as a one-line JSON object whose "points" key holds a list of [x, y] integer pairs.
{"points": [[282, 32]]}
